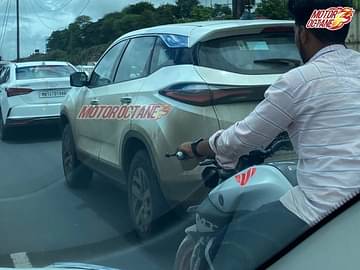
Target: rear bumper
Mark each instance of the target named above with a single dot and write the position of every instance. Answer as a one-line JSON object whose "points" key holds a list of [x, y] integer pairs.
{"points": [[32, 121], [29, 111]]}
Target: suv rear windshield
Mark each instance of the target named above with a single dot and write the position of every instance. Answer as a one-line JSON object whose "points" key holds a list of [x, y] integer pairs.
{"points": [[43, 71], [268, 53]]}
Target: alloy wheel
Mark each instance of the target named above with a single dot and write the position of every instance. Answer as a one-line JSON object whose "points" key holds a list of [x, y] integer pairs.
{"points": [[141, 200]]}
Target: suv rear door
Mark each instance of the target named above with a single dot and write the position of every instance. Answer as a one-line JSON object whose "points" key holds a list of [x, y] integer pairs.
{"points": [[89, 130], [129, 78]]}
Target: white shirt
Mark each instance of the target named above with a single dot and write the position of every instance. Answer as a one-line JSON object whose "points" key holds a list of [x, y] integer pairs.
{"points": [[318, 104]]}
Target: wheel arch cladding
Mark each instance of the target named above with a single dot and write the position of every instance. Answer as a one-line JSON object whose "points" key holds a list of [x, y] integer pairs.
{"points": [[133, 143]]}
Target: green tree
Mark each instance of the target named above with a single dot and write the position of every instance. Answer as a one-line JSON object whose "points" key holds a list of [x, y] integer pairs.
{"points": [[273, 9], [356, 4], [84, 40], [184, 8], [221, 12], [165, 14], [83, 21], [58, 40], [139, 8], [76, 38], [201, 13], [130, 22]]}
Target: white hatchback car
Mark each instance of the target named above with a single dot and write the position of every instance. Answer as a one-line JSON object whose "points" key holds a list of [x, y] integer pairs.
{"points": [[31, 92]]}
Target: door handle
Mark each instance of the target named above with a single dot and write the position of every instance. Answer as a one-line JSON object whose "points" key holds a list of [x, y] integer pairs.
{"points": [[94, 102], [125, 100]]}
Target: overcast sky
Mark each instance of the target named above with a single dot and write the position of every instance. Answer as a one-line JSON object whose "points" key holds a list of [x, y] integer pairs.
{"points": [[40, 17]]}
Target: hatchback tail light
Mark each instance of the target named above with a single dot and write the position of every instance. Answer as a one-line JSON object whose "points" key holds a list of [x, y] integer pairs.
{"points": [[207, 95], [16, 91]]}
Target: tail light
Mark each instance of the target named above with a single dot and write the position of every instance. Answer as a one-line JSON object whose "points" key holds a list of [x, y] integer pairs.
{"points": [[195, 94], [16, 91], [207, 95]]}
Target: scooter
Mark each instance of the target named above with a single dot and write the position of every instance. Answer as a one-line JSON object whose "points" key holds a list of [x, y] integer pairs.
{"points": [[245, 188]]}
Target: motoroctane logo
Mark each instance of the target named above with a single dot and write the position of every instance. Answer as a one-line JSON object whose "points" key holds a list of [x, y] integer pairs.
{"points": [[333, 18], [124, 112], [243, 178]]}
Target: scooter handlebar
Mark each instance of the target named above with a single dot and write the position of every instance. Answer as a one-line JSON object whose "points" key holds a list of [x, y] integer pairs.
{"points": [[179, 155]]}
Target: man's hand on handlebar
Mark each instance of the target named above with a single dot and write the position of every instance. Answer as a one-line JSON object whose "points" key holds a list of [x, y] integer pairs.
{"points": [[202, 148], [186, 149]]}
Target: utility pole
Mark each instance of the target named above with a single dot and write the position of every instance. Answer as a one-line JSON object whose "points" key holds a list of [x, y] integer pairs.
{"points": [[17, 31]]}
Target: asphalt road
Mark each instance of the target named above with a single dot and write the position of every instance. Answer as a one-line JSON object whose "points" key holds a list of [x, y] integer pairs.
{"points": [[44, 221]]}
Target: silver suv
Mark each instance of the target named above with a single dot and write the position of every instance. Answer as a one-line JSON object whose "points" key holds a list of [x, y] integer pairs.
{"points": [[158, 87]]}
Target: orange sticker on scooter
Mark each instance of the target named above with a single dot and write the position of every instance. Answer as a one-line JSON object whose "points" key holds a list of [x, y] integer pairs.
{"points": [[243, 178]]}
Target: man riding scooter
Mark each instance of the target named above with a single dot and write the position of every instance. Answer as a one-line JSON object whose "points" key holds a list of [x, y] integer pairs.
{"points": [[318, 104]]}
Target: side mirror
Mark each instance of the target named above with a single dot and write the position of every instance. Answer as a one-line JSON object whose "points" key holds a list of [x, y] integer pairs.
{"points": [[78, 79]]}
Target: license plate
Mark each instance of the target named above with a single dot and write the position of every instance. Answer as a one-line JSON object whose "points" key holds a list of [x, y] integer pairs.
{"points": [[52, 93]]}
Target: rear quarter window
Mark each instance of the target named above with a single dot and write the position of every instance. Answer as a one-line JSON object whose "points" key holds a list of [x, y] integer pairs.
{"points": [[165, 56], [267, 53]]}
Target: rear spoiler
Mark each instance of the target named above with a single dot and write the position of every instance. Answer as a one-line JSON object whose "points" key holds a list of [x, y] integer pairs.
{"points": [[240, 30]]}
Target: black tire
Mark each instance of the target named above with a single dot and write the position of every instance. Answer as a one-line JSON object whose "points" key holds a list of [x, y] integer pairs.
{"points": [[184, 253], [77, 175], [145, 199], [5, 132]]}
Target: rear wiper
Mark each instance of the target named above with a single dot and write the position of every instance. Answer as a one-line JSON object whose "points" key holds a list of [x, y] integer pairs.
{"points": [[286, 61]]}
